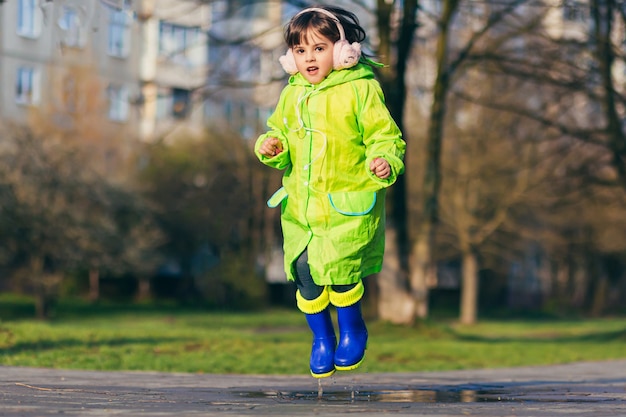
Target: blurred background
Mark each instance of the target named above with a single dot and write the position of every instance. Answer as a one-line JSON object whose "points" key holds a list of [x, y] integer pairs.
{"points": [[127, 171]]}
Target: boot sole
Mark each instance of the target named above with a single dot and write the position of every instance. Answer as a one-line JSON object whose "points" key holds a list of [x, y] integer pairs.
{"points": [[349, 367], [324, 375]]}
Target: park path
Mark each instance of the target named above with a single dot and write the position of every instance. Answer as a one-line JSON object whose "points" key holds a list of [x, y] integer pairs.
{"points": [[595, 389]]}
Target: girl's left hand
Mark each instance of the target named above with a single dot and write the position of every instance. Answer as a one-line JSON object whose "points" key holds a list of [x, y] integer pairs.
{"points": [[380, 167]]}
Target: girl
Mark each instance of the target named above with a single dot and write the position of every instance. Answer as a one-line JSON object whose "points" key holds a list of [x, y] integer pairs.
{"points": [[334, 137]]}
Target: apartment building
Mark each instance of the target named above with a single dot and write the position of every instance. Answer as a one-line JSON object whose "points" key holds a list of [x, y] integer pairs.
{"points": [[245, 78], [140, 64]]}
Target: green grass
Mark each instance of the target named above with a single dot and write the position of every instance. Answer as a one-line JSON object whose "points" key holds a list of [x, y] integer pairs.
{"points": [[172, 339]]}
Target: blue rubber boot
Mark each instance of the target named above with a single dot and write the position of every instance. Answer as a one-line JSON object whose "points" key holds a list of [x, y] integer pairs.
{"points": [[322, 361], [352, 331]]}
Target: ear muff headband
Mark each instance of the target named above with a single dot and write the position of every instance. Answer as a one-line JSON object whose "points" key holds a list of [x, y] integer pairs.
{"points": [[342, 34]]}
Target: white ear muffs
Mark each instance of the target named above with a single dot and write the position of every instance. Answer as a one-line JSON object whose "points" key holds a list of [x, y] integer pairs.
{"points": [[345, 54], [288, 62]]}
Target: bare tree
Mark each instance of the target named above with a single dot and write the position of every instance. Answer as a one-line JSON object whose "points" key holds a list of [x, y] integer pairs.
{"points": [[453, 44], [606, 16], [68, 192], [396, 24], [61, 211], [575, 97], [486, 172]]}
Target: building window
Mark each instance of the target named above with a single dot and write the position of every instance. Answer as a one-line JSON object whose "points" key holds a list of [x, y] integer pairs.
{"points": [[27, 86], [249, 63], [183, 45], [228, 111], [219, 10], [163, 104], [118, 102], [119, 34], [70, 22], [574, 11], [27, 20], [181, 103], [264, 114], [173, 103]]}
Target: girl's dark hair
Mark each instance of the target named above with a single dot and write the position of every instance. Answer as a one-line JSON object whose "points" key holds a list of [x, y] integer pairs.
{"points": [[297, 29]]}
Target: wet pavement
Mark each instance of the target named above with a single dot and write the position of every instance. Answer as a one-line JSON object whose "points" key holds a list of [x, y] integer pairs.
{"points": [[595, 389]]}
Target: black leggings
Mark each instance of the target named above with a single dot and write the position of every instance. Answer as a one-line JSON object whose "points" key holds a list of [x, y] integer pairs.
{"points": [[309, 290]]}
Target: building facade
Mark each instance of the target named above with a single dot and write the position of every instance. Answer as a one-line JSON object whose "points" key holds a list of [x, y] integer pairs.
{"points": [[140, 64], [245, 78]]}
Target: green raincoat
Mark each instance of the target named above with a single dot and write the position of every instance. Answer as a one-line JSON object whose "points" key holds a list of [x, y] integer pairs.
{"points": [[331, 203]]}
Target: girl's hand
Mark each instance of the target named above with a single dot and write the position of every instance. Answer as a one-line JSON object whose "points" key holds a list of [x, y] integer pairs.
{"points": [[380, 167], [271, 147]]}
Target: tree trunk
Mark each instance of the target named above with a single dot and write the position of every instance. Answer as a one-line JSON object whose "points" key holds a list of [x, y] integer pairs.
{"points": [[603, 12], [422, 273], [394, 302], [469, 288], [42, 298], [600, 296], [94, 285], [597, 285], [393, 288], [143, 289], [578, 281], [422, 251], [43, 304]]}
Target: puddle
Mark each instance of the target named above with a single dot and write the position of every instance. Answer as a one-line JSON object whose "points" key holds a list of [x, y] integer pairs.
{"points": [[387, 396]]}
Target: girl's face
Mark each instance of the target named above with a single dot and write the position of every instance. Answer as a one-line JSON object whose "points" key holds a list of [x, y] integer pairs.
{"points": [[314, 57]]}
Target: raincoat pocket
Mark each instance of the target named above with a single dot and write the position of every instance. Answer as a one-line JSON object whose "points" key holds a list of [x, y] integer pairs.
{"points": [[353, 203], [277, 197]]}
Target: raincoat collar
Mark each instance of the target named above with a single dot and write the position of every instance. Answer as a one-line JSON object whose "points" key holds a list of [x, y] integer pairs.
{"points": [[359, 71]]}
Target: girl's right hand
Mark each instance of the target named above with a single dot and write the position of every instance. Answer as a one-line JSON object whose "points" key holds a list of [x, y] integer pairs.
{"points": [[271, 147]]}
